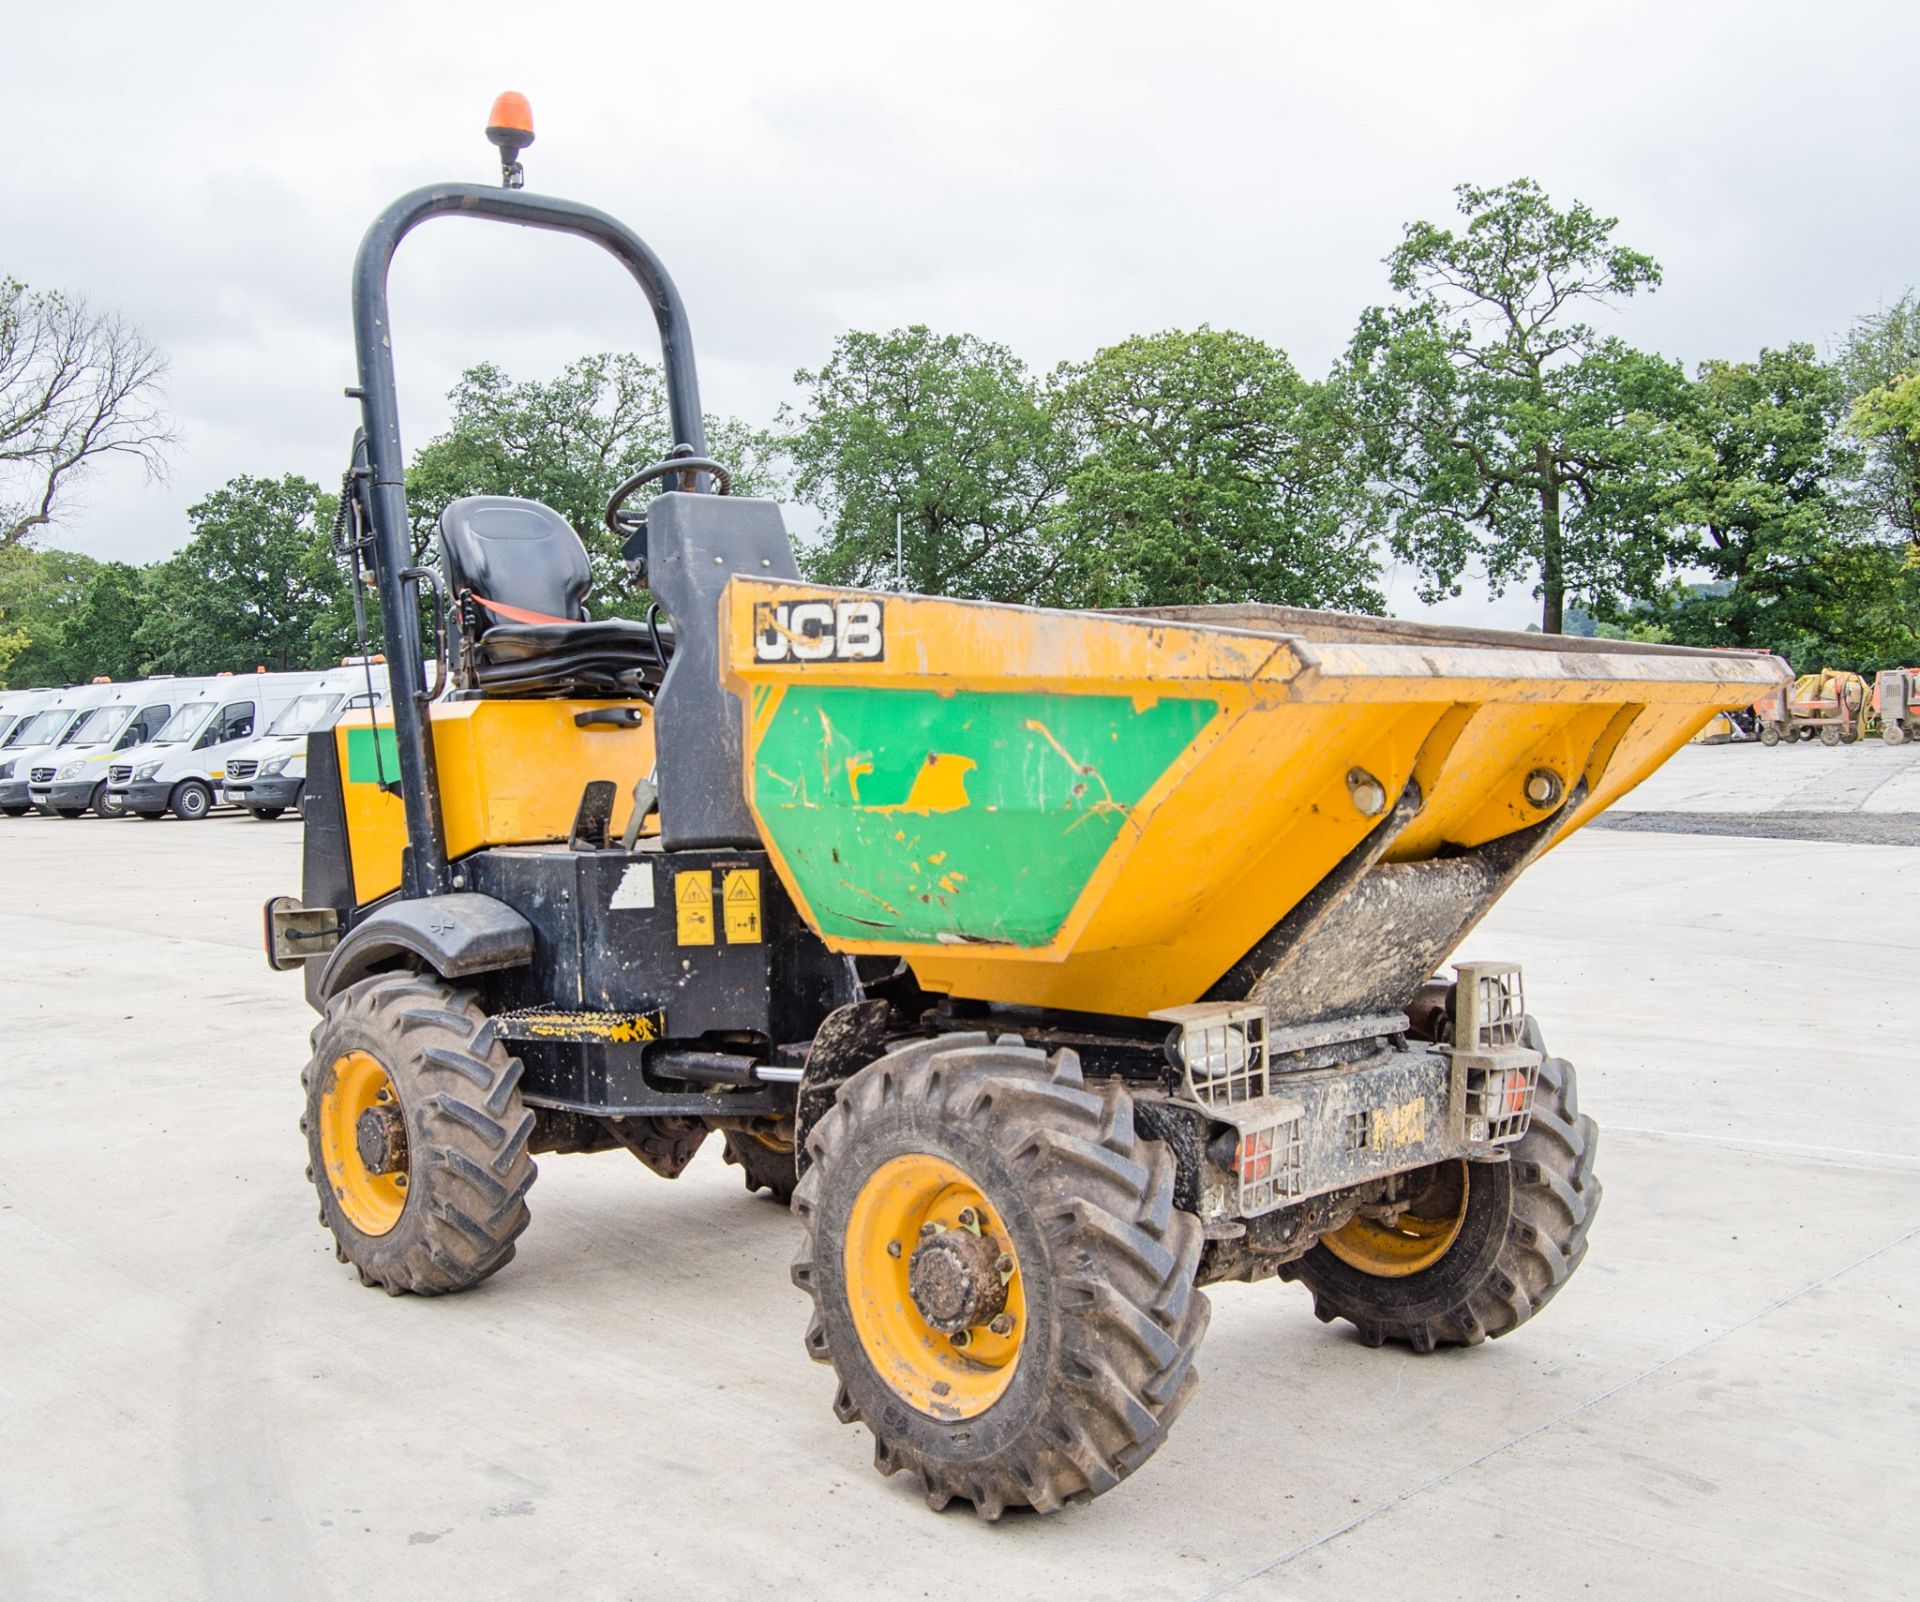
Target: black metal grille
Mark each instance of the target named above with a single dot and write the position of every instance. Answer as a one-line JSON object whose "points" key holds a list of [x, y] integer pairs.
{"points": [[245, 768]]}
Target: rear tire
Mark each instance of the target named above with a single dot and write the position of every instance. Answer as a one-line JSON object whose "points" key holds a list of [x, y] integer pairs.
{"points": [[1769, 735], [17, 812], [1103, 1315], [448, 1215], [1523, 1234], [191, 801], [1829, 736], [764, 1167]]}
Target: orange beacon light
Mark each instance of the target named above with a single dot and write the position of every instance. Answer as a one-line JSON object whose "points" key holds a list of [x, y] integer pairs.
{"points": [[510, 126]]}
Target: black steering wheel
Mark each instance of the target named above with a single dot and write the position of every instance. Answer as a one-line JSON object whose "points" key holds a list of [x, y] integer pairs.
{"points": [[627, 524]]}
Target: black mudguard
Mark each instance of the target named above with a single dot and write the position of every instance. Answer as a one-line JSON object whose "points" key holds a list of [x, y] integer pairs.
{"points": [[453, 935]]}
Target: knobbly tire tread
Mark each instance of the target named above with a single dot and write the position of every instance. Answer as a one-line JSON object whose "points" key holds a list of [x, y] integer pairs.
{"points": [[469, 1168], [1548, 1195], [1113, 1368], [761, 1167]]}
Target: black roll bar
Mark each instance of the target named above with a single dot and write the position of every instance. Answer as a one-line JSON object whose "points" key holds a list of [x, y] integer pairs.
{"points": [[427, 870]]}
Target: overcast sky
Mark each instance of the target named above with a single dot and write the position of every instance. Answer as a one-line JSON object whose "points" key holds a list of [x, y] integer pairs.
{"points": [[1052, 176]]}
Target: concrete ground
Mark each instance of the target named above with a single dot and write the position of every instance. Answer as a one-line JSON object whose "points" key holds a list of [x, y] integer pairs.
{"points": [[198, 1401]]}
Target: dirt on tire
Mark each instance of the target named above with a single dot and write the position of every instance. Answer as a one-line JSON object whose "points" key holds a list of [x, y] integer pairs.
{"points": [[763, 1167], [1524, 1234], [1107, 1261], [469, 1168]]}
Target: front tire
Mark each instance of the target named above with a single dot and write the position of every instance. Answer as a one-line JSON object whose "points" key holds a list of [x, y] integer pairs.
{"points": [[416, 1135], [999, 1275], [1520, 1235], [192, 801], [104, 804]]}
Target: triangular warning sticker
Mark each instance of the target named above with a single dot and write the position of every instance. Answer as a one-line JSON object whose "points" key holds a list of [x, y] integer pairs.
{"points": [[741, 888], [692, 890]]}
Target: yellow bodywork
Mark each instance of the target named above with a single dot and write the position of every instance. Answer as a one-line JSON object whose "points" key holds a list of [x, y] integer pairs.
{"points": [[511, 773], [1303, 726]]}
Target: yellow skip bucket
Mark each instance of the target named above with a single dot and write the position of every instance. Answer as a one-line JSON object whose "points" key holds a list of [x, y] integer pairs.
{"points": [[1116, 813]]}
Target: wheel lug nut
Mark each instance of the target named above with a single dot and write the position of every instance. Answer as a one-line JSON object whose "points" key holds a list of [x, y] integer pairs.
{"points": [[962, 1337], [929, 1228], [969, 1219], [400, 1181], [1005, 1265], [1003, 1325], [893, 1248]]}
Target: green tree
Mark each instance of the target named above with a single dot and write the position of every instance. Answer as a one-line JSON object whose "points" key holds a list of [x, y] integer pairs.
{"points": [[1764, 500], [1862, 611], [1880, 361], [39, 591], [250, 588], [1501, 427], [12, 643], [951, 436], [569, 441], [1209, 471], [100, 635]]}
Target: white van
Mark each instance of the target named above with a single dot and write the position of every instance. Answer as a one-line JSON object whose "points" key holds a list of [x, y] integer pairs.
{"points": [[266, 775], [181, 769], [16, 706], [36, 742], [71, 780]]}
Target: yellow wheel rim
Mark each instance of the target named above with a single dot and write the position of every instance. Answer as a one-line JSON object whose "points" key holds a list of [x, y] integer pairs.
{"points": [[904, 1202], [372, 1202], [1423, 1235]]}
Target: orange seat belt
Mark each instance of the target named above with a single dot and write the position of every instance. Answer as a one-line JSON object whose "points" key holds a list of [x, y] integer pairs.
{"points": [[520, 614]]}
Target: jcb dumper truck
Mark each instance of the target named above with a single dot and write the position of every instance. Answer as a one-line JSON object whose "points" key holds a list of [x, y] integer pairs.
{"points": [[1054, 964]]}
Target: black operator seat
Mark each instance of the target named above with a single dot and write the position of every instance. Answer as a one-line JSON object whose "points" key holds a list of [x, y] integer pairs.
{"points": [[518, 577]]}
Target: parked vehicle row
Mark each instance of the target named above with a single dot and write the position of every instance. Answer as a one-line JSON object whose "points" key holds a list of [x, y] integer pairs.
{"points": [[173, 745], [1839, 708]]}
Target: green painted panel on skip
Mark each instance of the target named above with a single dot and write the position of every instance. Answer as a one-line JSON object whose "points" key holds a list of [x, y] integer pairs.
{"points": [[913, 816], [368, 763]]}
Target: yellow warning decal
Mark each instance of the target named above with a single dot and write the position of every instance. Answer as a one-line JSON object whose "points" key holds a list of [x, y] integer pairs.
{"points": [[740, 903], [693, 906]]}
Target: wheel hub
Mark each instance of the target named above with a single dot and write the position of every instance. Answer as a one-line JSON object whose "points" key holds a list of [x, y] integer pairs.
{"points": [[363, 1142], [955, 1280], [380, 1137], [934, 1285]]}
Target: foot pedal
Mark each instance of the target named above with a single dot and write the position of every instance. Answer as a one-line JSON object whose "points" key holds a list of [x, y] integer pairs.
{"points": [[593, 823]]}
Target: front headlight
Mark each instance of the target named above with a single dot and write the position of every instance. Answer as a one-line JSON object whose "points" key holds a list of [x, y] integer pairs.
{"points": [[6, 770], [72, 770], [273, 769], [145, 771]]}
